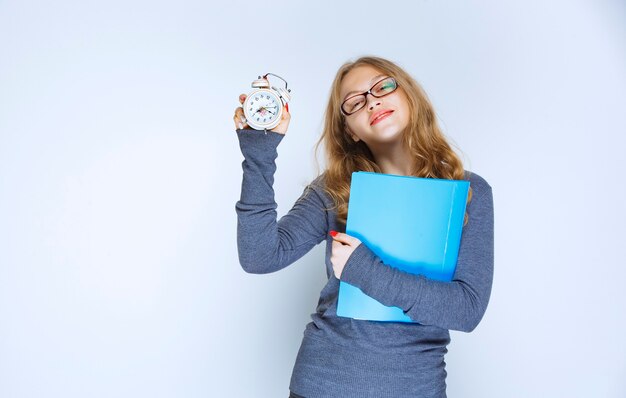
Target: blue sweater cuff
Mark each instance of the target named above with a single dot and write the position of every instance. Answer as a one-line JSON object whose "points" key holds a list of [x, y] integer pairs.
{"points": [[357, 268], [259, 144]]}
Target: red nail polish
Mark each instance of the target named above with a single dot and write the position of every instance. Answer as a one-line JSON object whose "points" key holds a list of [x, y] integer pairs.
{"points": [[287, 107], [333, 233]]}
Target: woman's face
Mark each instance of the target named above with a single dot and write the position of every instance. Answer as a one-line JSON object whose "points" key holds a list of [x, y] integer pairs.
{"points": [[382, 120]]}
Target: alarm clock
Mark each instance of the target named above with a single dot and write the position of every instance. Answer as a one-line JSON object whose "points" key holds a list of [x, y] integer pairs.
{"points": [[263, 107]]}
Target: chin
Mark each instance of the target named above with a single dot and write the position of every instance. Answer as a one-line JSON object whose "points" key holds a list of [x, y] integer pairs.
{"points": [[390, 133]]}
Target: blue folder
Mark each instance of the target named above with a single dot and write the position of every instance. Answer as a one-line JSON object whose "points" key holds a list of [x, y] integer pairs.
{"points": [[413, 224]]}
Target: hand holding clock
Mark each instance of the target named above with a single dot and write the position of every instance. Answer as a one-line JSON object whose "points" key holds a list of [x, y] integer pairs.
{"points": [[241, 123]]}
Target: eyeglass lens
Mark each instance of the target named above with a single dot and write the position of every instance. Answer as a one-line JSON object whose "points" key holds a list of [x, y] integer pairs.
{"points": [[380, 89]]}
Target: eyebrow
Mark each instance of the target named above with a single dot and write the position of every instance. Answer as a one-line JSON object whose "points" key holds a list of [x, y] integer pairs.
{"points": [[359, 92]]}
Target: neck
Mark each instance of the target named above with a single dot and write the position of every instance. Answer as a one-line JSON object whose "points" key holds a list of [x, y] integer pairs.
{"points": [[393, 159]]}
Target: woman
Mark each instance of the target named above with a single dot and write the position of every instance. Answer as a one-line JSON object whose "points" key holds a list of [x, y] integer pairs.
{"points": [[378, 119]]}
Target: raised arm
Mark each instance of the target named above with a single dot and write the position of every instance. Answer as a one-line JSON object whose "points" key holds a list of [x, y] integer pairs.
{"points": [[457, 305], [266, 245]]}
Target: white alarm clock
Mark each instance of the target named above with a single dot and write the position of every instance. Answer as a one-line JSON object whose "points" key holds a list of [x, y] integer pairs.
{"points": [[263, 107]]}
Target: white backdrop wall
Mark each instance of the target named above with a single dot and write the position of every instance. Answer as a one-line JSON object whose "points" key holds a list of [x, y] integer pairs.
{"points": [[120, 169]]}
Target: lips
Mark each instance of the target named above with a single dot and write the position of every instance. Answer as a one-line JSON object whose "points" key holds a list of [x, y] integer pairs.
{"points": [[380, 115]]}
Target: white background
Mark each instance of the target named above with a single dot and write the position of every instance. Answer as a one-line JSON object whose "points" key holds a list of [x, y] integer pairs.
{"points": [[120, 169]]}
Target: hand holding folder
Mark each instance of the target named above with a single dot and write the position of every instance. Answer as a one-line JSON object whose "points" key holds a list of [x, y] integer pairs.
{"points": [[426, 216], [343, 246]]}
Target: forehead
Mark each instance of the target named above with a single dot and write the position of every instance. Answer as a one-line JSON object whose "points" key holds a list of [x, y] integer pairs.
{"points": [[359, 79]]}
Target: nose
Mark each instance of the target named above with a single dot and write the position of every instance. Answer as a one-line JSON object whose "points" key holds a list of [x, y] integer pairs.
{"points": [[372, 101]]}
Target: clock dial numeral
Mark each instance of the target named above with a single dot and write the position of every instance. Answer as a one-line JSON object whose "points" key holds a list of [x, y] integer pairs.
{"points": [[263, 107]]}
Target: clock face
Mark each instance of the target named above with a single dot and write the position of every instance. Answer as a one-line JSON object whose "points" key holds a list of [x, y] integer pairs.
{"points": [[262, 109]]}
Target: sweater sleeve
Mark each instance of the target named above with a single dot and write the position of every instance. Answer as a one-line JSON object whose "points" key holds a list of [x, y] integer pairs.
{"points": [[264, 244], [459, 304]]}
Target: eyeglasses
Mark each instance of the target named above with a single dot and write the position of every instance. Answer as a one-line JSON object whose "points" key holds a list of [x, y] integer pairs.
{"points": [[357, 102]]}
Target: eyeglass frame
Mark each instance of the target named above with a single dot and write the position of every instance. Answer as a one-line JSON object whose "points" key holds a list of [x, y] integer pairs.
{"points": [[368, 92]]}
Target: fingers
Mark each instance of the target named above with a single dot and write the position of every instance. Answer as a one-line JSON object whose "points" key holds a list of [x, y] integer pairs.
{"points": [[286, 114], [239, 118], [344, 238]]}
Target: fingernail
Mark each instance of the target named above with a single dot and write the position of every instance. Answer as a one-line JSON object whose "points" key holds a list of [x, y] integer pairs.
{"points": [[240, 126], [287, 107], [333, 233], [243, 119]]}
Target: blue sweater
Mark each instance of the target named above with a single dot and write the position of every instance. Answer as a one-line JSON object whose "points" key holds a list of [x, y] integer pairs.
{"points": [[343, 357]]}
